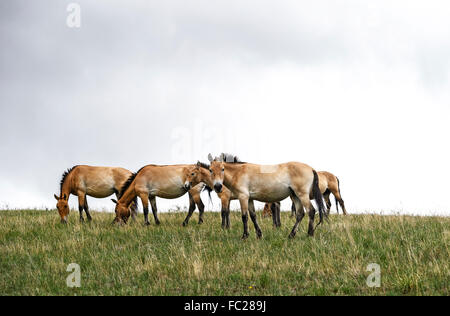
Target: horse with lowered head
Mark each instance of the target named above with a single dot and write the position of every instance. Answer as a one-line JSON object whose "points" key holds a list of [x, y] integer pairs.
{"points": [[151, 181], [98, 182]]}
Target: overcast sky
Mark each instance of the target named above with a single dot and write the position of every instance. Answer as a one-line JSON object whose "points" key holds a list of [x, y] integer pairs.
{"points": [[358, 88]]}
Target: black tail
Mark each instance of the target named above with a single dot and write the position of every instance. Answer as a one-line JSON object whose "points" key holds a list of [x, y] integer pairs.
{"points": [[207, 188], [335, 198], [317, 195]]}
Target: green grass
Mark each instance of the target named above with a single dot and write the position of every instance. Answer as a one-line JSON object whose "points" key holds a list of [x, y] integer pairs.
{"points": [[169, 259]]}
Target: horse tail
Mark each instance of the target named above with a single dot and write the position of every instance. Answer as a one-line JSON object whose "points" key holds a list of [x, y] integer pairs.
{"points": [[339, 190], [317, 195], [209, 190]]}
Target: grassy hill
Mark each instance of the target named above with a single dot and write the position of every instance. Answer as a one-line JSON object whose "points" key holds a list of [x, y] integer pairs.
{"points": [[35, 250]]}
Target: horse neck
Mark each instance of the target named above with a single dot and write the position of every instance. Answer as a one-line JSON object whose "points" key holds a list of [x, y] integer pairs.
{"points": [[129, 195], [67, 186], [206, 177], [231, 171]]}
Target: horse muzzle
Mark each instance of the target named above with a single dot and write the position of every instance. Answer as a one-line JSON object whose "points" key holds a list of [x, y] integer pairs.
{"points": [[218, 187], [187, 186]]}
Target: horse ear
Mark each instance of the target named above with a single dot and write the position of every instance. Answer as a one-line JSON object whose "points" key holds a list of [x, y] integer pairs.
{"points": [[114, 201], [210, 158], [56, 197]]}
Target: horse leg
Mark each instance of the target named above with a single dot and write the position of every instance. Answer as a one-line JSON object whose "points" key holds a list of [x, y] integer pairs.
{"points": [[244, 211], [326, 197], [86, 209], [223, 213], [81, 203], [251, 208], [144, 200], [278, 208], [311, 213], [191, 210], [341, 202], [274, 215], [300, 213], [338, 198], [201, 208], [154, 210], [227, 212], [335, 189], [293, 209]]}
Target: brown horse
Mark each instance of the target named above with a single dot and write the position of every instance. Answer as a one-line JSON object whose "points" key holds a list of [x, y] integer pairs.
{"points": [[225, 197], [328, 183], [195, 200], [274, 183], [153, 181], [99, 182]]}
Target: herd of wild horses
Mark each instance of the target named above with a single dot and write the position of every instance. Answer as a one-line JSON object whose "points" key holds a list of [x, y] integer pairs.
{"points": [[230, 178]]}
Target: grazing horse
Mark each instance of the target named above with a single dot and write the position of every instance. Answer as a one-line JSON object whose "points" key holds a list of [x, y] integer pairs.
{"points": [[328, 183], [99, 182], [153, 181], [274, 183]]}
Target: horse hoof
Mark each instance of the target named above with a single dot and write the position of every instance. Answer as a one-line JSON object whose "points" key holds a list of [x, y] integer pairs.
{"points": [[259, 235], [158, 223], [291, 235], [244, 236], [147, 224], [184, 224]]}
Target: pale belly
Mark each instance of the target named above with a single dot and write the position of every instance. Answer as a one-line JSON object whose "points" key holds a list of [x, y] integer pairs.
{"points": [[98, 187], [100, 190], [169, 192], [270, 194], [269, 188]]}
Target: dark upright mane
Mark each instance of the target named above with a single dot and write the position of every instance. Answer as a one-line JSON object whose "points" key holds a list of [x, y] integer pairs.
{"points": [[203, 165], [229, 158], [63, 178], [126, 185]]}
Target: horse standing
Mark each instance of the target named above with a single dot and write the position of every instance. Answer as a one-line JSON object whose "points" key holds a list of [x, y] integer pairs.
{"points": [[225, 197], [98, 182], [274, 183], [195, 200], [328, 184]]}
